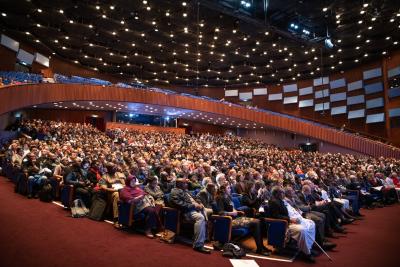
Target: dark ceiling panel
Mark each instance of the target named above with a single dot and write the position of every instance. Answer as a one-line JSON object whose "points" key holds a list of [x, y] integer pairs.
{"points": [[162, 40]]}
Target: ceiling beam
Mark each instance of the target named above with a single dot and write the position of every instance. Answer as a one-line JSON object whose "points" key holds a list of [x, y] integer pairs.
{"points": [[255, 22]]}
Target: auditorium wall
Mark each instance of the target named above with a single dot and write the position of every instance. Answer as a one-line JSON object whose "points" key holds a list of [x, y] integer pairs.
{"points": [[199, 127], [78, 116], [289, 140]]}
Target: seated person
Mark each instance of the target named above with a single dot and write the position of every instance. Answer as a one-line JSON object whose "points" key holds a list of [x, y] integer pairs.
{"points": [[250, 199], [153, 189], [224, 206], [133, 194], [35, 180], [320, 220], [300, 229], [166, 182], [206, 197], [316, 204], [112, 183], [80, 183], [181, 199]]}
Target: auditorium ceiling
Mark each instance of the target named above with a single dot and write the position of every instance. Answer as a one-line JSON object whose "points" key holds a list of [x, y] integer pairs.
{"points": [[131, 109], [201, 43]]}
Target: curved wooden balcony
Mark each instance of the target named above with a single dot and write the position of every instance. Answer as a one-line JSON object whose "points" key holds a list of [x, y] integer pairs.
{"points": [[21, 96]]}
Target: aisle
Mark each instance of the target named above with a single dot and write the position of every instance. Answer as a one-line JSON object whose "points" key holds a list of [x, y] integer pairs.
{"points": [[34, 233]]}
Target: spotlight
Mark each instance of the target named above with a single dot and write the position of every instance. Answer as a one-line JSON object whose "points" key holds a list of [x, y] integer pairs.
{"points": [[328, 43], [245, 4]]}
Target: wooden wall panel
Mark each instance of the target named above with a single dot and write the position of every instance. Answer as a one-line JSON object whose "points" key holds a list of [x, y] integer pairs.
{"points": [[144, 128]]}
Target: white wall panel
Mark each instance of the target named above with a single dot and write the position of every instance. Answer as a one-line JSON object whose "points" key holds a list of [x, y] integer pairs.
{"points": [[274, 97]]}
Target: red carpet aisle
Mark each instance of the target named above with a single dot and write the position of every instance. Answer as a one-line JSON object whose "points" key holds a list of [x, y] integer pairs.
{"points": [[33, 233]]}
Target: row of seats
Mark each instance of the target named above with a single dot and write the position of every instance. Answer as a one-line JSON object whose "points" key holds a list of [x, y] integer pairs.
{"points": [[58, 78], [10, 77]]}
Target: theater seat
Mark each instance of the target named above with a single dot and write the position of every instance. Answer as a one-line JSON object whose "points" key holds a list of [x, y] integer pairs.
{"points": [[67, 193], [276, 232], [171, 219], [223, 231], [127, 216]]}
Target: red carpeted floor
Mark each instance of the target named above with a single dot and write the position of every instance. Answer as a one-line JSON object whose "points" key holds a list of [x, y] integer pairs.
{"points": [[33, 233]]}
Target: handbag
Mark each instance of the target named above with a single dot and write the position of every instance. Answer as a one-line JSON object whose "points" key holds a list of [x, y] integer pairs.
{"points": [[167, 236], [231, 250]]}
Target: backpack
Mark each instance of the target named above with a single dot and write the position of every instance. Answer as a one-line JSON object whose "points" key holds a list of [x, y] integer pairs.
{"points": [[231, 250], [46, 193], [97, 209], [78, 209]]}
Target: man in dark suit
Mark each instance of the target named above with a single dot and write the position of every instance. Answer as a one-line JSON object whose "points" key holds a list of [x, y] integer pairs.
{"points": [[307, 197], [181, 199], [207, 197]]}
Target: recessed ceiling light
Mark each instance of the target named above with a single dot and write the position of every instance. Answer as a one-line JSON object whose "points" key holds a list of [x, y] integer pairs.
{"points": [[112, 7], [97, 7], [39, 10], [325, 9], [148, 8], [61, 11]]}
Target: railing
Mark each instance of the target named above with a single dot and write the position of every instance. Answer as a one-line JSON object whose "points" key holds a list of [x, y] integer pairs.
{"points": [[206, 104]]}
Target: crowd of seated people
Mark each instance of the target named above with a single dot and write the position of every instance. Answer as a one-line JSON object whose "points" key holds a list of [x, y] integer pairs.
{"points": [[17, 77], [316, 193]]}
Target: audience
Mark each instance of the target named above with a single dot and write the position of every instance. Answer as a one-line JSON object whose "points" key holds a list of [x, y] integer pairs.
{"points": [[312, 191]]}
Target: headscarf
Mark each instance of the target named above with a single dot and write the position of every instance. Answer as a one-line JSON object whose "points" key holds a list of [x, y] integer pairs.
{"points": [[129, 193]]}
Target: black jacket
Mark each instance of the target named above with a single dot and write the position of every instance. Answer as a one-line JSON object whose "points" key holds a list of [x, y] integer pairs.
{"points": [[278, 210], [181, 200]]}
